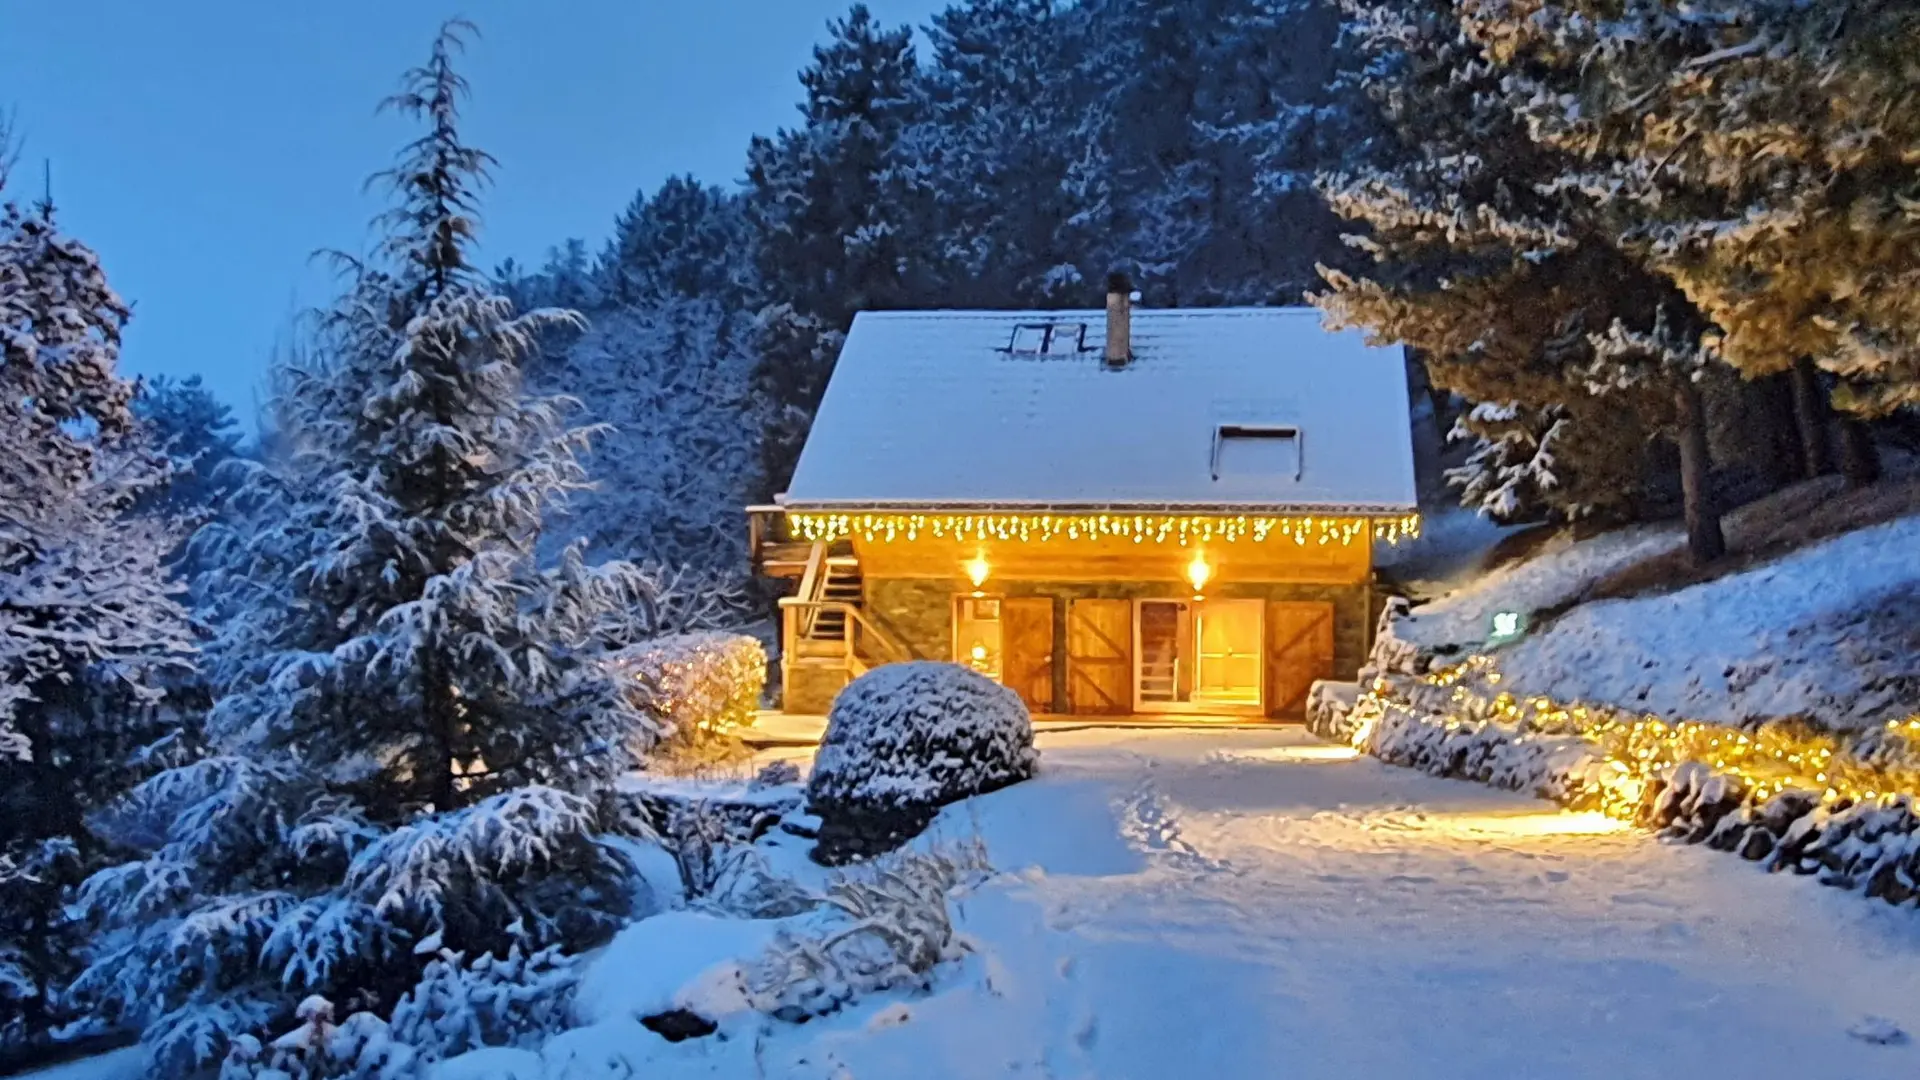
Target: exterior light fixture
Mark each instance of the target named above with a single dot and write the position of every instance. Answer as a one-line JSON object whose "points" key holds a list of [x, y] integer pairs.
{"points": [[977, 571], [1198, 573], [1507, 625]]}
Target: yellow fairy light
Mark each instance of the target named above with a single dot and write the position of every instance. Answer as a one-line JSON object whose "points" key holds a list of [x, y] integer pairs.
{"points": [[1184, 530], [1641, 751]]}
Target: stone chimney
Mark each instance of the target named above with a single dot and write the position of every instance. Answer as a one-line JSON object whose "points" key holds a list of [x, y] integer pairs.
{"points": [[1119, 320]]}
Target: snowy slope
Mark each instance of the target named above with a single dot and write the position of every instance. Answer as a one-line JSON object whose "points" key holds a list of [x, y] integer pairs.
{"points": [[1253, 904], [1558, 574], [1829, 631]]}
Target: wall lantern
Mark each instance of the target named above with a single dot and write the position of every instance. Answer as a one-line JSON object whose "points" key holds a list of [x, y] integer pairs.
{"points": [[1198, 573], [977, 571]]}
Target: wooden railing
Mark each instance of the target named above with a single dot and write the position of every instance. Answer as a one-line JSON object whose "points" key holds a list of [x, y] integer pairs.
{"points": [[866, 645], [813, 582]]}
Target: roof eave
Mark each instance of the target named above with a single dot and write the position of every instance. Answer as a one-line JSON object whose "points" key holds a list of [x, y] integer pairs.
{"points": [[1014, 506]]}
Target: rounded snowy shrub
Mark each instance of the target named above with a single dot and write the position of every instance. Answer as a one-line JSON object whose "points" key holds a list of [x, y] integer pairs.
{"points": [[903, 741], [702, 686]]}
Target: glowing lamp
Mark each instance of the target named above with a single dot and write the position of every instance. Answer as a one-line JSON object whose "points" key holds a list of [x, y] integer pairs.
{"points": [[1198, 572], [977, 571], [979, 654], [1507, 625]]}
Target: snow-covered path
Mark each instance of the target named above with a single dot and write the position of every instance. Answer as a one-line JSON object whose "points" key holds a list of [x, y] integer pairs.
{"points": [[1216, 905], [1255, 905]]}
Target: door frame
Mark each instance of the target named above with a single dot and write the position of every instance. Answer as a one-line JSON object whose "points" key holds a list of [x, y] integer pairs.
{"points": [[1201, 708]]}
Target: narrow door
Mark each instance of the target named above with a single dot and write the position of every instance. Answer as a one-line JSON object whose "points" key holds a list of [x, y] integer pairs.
{"points": [[1299, 651], [1027, 630], [1100, 656], [1227, 654], [1165, 652]]}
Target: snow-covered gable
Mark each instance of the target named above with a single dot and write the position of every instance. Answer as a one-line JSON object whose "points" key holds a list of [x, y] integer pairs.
{"points": [[931, 410]]}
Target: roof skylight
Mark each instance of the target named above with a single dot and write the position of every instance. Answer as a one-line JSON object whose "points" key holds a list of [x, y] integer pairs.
{"points": [[1048, 339]]}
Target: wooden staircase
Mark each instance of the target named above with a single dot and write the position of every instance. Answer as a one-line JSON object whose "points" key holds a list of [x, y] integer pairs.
{"points": [[827, 638], [840, 584], [1159, 678]]}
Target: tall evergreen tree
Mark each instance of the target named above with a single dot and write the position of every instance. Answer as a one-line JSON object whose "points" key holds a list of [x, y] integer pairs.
{"points": [[88, 616], [1756, 155], [195, 429], [1000, 140], [1520, 295], [685, 241], [838, 214], [407, 699]]}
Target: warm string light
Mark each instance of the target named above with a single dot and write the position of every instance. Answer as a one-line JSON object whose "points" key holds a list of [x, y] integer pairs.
{"points": [[1140, 528], [1641, 749], [702, 684]]}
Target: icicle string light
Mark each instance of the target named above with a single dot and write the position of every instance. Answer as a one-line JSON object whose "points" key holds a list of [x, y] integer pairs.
{"points": [[1139, 528]]}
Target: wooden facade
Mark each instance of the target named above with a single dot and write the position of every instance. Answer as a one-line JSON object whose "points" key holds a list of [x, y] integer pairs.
{"points": [[1097, 627]]}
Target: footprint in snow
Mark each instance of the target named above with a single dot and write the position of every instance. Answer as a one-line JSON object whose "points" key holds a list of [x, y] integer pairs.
{"points": [[1146, 821], [1878, 1030]]}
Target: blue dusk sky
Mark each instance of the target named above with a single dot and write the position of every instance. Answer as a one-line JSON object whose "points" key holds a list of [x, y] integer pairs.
{"points": [[207, 147]]}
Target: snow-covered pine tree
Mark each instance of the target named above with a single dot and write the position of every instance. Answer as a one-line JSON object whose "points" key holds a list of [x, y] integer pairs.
{"points": [[1498, 274], [413, 715], [668, 366], [197, 430], [839, 216], [1000, 139], [1760, 154], [685, 241], [88, 615], [1754, 154], [1205, 118]]}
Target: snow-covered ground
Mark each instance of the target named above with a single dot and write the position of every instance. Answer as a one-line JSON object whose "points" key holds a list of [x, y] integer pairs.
{"points": [[1257, 904], [1558, 574], [1832, 630]]}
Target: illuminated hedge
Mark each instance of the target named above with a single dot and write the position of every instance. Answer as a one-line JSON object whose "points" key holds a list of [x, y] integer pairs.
{"points": [[1787, 794], [702, 685]]}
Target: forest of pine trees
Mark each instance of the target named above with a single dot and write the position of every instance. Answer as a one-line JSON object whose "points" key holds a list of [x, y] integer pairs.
{"points": [[274, 716]]}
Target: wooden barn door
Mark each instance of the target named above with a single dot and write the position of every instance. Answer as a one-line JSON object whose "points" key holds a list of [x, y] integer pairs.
{"points": [[1027, 628], [1100, 656], [1299, 650]]}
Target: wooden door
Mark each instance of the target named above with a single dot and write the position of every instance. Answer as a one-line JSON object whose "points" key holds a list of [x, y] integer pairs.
{"points": [[1299, 650], [1027, 634], [1100, 656]]}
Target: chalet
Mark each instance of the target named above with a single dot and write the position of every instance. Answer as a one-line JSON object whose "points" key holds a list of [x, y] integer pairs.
{"points": [[1111, 512]]}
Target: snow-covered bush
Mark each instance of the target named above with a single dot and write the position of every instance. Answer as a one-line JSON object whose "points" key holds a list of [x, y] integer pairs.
{"points": [[697, 835], [1330, 709], [458, 1006], [258, 888], [745, 884], [890, 926], [702, 686], [904, 740]]}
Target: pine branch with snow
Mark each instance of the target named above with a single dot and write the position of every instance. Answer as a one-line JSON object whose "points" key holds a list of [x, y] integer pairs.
{"points": [[414, 715]]}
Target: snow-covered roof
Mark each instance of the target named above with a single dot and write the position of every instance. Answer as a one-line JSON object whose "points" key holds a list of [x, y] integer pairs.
{"points": [[1237, 409]]}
